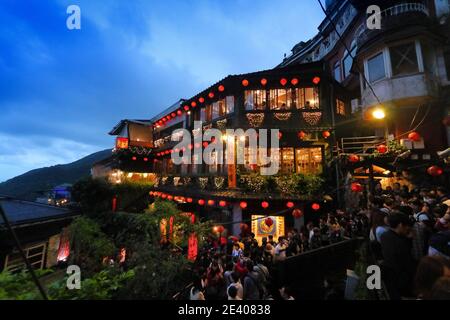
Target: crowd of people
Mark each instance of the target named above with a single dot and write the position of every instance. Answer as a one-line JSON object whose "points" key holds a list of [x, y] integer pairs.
{"points": [[408, 232], [410, 239]]}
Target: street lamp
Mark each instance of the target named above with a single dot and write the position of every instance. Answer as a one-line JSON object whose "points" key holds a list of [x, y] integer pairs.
{"points": [[379, 114]]}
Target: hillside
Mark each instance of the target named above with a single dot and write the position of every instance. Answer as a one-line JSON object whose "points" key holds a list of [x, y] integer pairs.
{"points": [[36, 182]]}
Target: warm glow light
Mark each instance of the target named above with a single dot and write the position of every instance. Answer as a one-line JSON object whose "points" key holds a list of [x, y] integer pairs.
{"points": [[201, 202], [222, 203], [193, 104], [263, 81], [283, 81], [316, 80], [243, 204], [186, 108], [211, 95], [290, 204], [201, 99], [264, 204], [245, 82], [294, 81], [221, 88], [379, 114]]}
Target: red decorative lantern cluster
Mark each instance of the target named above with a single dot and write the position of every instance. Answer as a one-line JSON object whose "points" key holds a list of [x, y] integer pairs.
{"points": [[315, 206], [414, 136], [353, 158], [297, 213], [382, 148], [268, 222], [435, 171], [356, 187]]}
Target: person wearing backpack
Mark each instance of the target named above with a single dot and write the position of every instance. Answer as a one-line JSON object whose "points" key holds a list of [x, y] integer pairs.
{"points": [[251, 284]]}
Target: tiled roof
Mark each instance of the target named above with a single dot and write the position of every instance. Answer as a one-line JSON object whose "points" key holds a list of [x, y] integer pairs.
{"points": [[20, 212]]}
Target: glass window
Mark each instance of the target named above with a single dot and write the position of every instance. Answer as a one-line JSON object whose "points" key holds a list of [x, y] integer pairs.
{"points": [[280, 99], [230, 104], [309, 160], [307, 98], [203, 114], [208, 112], [255, 100], [287, 160], [376, 68], [404, 59], [348, 60], [340, 107], [215, 110], [222, 108], [337, 71]]}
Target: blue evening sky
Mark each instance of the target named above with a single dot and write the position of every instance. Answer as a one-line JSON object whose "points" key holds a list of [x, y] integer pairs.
{"points": [[61, 91]]}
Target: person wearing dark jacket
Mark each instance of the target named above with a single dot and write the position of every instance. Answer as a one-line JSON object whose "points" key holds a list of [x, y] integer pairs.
{"points": [[398, 266]]}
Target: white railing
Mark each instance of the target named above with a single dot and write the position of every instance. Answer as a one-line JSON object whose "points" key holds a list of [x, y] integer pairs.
{"points": [[395, 11]]}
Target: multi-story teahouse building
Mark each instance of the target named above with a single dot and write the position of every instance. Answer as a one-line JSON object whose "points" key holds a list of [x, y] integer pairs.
{"points": [[351, 104]]}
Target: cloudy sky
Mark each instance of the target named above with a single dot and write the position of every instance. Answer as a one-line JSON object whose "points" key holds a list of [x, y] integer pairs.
{"points": [[61, 91]]}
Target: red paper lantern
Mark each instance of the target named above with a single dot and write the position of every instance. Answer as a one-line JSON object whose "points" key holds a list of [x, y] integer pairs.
{"points": [[164, 196], [263, 81], [283, 81], [186, 108], [353, 158], [145, 159], [301, 135], [326, 134], [297, 213], [173, 114], [179, 112], [222, 203], [265, 204], [201, 202], [315, 206], [316, 80], [189, 200], [243, 204], [221, 88], [290, 204], [201, 99], [121, 143], [294, 81], [169, 197], [435, 171], [280, 135], [133, 158], [211, 202], [414, 136], [245, 82], [205, 144], [211, 95], [382, 148], [219, 229], [193, 104], [356, 187], [268, 222]]}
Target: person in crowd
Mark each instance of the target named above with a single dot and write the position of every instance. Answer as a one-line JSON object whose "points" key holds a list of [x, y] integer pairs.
{"points": [[398, 267], [443, 223], [280, 249], [286, 293], [197, 289], [442, 195], [251, 284], [236, 282], [429, 270], [439, 244], [232, 293], [315, 241], [441, 289]]}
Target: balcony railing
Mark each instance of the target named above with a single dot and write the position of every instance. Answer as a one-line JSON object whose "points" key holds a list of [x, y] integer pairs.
{"points": [[359, 145], [393, 11]]}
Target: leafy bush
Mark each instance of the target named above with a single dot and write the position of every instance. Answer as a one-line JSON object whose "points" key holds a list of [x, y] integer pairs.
{"points": [[19, 286], [254, 182], [103, 285], [89, 245]]}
